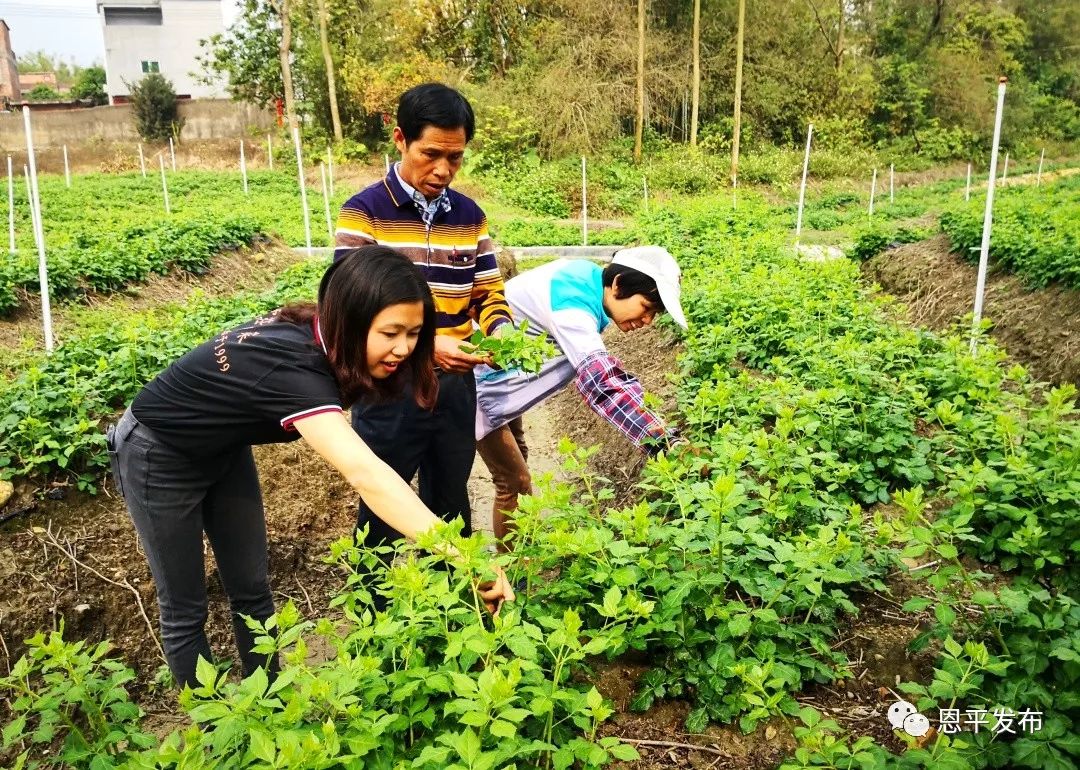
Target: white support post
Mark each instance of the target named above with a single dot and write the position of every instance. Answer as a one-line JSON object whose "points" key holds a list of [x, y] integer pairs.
{"points": [[326, 204], [584, 205], [892, 198], [67, 169], [11, 207], [802, 187], [645, 187], [30, 200], [270, 152], [33, 208], [243, 167], [303, 189], [330, 169], [1005, 171], [35, 204], [386, 158], [172, 153], [142, 161], [734, 191], [164, 184], [1038, 176], [873, 191], [967, 189], [988, 215]]}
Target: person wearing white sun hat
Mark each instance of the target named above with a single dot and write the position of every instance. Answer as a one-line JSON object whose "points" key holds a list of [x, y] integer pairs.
{"points": [[573, 301]]}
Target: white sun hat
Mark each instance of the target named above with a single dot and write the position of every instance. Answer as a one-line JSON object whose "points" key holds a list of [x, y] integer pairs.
{"points": [[658, 264]]}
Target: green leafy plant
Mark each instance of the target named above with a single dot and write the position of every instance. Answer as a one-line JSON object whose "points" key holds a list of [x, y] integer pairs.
{"points": [[514, 348]]}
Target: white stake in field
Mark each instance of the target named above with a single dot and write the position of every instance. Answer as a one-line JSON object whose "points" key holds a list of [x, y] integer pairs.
{"points": [[892, 199], [243, 167], [967, 190], [1005, 171], [303, 189], [1038, 176], [39, 233], [11, 207], [873, 190], [326, 204], [386, 158], [735, 191], [67, 169], [164, 184], [984, 248], [802, 187], [330, 169], [142, 162], [172, 153], [584, 206], [270, 152]]}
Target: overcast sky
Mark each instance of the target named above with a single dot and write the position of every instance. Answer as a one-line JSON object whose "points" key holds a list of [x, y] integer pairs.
{"points": [[66, 28]]}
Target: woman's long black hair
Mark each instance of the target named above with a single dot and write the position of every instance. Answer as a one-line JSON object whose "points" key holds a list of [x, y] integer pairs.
{"points": [[355, 289]]}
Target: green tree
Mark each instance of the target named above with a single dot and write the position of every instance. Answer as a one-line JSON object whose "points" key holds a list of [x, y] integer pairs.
{"points": [[43, 93], [90, 84], [247, 55], [154, 101]]}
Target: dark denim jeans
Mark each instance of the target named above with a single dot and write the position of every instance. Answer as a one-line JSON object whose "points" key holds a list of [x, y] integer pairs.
{"points": [[440, 444], [172, 499]]}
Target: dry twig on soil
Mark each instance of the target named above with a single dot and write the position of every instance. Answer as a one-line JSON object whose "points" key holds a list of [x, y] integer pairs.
{"points": [[51, 539]]}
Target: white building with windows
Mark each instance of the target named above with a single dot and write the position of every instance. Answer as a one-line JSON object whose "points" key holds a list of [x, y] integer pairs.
{"points": [[144, 36]]}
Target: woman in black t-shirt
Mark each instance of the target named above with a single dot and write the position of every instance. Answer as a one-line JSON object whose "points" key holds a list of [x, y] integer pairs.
{"points": [[181, 454]]}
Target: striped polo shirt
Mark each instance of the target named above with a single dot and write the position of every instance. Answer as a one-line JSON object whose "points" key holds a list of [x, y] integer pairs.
{"points": [[455, 252]]}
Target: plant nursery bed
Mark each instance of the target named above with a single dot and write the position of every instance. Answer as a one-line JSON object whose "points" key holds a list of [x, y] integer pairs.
{"points": [[1039, 328]]}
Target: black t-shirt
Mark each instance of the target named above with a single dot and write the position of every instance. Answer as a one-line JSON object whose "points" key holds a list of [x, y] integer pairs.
{"points": [[246, 386]]}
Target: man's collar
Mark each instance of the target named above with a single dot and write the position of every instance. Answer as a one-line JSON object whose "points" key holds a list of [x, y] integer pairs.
{"points": [[400, 193], [409, 190]]}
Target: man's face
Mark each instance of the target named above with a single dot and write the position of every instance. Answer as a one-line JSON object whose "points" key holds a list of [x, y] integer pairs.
{"points": [[430, 162]]}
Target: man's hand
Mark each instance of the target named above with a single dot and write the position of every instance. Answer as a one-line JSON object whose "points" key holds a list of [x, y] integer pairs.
{"points": [[494, 594], [450, 357]]}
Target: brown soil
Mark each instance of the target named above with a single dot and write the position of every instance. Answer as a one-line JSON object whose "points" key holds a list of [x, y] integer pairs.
{"points": [[650, 354], [1039, 328]]}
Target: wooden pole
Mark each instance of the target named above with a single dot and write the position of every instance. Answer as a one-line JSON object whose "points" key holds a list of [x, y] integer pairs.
{"points": [[303, 189], [35, 204], [584, 206], [802, 187], [737, 124], [11, 207], [639, 127], [326, 204], [164, 184], [988, 215], [696, 93]]}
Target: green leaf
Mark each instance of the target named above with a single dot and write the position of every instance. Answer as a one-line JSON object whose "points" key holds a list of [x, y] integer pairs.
{"points": [[262, 746], [624, 752], [916, 604], [502, 729], [945, 615], [206, 673]]}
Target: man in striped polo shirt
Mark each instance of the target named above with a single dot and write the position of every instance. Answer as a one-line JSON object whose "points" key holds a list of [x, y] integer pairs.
{"points": [[445, 234]]}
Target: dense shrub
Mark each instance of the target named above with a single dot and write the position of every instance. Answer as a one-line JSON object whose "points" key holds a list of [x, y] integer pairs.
{"points": [[154, 102]]}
